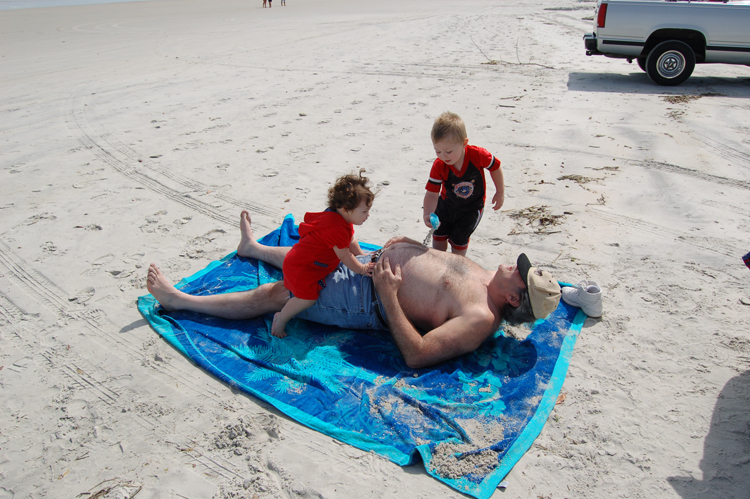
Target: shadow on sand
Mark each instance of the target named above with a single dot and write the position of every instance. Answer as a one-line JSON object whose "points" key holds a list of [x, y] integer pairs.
{"points": [[726, 449], [639, 83]]}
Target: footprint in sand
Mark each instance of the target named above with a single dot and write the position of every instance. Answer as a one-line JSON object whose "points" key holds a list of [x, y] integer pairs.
{"points": [[36, 218], [203, 247], [82, 185], [50, 248], [83, 295], [97, 264]]}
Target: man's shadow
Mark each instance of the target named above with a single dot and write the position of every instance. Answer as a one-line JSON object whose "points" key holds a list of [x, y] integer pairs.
{"points": [[726, 449]]}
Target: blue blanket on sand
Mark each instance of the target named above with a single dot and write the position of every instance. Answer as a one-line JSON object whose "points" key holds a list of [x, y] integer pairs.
{"points": [[471, 419]]}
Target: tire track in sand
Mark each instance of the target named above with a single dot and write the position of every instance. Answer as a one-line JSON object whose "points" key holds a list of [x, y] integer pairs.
{"points": [[715, 245], [725, 151], [51, 297], [150, 175], [91, 378], [88, 378], [689, 172]]}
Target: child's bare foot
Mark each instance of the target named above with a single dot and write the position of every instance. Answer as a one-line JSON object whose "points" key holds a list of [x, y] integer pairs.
{"points": [[248, 244], [277, 329], [162, 288]]}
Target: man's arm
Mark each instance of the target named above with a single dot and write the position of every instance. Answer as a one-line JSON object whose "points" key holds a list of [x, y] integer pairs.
{"points": [[457, 336]]}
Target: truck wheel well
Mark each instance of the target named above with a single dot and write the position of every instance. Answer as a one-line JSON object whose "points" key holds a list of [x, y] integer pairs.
{"points": [[693, 38]]}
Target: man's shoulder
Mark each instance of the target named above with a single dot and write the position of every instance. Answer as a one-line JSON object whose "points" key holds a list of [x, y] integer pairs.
{"points": [[475, 306], [478, 311], [477, 322]]}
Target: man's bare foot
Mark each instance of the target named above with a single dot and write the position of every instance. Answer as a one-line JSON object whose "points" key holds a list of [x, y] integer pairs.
{"points": [[276, 328], [248, 244], [162, 288]]}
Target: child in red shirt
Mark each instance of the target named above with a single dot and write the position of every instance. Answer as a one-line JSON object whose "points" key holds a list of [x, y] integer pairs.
{"points": [[326, 238], [456, 188]]}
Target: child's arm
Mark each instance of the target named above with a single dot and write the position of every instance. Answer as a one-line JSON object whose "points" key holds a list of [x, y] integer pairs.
{"points": [[354, 247], [497, 178], [429, 205], [348, 259]]}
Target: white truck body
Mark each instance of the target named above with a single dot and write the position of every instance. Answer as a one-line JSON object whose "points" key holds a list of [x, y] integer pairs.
{"points": [[716, 32]]}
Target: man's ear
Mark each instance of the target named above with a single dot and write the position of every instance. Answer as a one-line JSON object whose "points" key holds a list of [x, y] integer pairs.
{"points": [[514, 299]]}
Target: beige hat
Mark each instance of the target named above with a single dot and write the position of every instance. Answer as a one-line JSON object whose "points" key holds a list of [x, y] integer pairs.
{"points": [[543, 289]]}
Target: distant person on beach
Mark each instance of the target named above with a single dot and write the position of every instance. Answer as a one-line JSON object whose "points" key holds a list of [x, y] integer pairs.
{"points": [[264, 3], [283, 2], [436, 305], [456, 188], [326, 238], [269, 3]]}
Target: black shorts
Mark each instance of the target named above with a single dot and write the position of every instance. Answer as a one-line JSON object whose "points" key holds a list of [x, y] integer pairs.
{"points": [[456, 225]]}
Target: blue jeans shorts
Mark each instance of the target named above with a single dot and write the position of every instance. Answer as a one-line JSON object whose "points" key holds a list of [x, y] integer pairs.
{"points": [[348, 300]]}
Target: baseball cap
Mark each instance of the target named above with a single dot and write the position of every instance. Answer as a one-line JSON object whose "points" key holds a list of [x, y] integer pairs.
{"points": [[542, 288]]}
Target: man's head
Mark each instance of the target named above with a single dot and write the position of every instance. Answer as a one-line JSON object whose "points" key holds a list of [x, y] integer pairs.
{"points": [[537, 297]]}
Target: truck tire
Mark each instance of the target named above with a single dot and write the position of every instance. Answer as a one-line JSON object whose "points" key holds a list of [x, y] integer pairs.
{"points": [[642, 63], [670, 63]]}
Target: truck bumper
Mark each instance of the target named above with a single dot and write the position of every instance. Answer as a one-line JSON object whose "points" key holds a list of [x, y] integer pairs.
{"points": [[589, 41]]}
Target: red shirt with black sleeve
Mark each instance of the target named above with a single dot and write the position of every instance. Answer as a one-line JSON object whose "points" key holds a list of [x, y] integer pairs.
{"points": [[465, 189]]}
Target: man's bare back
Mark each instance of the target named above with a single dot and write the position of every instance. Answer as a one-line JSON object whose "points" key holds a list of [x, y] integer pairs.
{"points": [[438, 305]]}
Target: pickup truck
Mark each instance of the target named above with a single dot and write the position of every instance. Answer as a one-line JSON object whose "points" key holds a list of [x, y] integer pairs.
{"points": [[669, 37]]}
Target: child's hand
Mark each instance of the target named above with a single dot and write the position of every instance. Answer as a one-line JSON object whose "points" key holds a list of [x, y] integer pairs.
{"points": [[368, 268], [426, 219], [497, 200]]}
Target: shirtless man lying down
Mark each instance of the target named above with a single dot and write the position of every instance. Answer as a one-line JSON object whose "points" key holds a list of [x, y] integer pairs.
{"points": [[436, 305]]}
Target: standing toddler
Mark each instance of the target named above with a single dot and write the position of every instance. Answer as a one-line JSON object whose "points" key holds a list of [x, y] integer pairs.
{"points": [[456, 188]]}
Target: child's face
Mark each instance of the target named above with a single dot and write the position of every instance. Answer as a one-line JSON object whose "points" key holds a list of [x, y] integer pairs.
{"points": [[358, 215], [449, 151]]}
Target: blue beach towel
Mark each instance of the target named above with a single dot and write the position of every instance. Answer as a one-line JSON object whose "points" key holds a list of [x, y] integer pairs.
{"points": [[470, 419]]}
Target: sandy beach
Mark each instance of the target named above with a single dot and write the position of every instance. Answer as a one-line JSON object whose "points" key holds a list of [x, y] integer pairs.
{"points": [[136, 132]]}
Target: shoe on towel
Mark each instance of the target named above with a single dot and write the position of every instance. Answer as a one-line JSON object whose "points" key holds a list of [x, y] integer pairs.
{"points": [[587, 295]]}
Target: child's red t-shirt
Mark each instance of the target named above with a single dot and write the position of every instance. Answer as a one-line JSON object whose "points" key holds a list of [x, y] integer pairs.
{"points": [[464, 190], [312, 258]]}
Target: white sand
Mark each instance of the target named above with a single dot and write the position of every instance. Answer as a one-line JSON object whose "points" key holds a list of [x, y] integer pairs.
{"points": [[136, 132]]}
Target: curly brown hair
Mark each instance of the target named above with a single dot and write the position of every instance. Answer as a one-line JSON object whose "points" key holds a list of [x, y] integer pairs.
{"points": [[349, 191]]}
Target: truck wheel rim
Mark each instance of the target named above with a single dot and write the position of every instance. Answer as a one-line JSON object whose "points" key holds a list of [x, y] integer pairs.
{"points": [[671, 64]]}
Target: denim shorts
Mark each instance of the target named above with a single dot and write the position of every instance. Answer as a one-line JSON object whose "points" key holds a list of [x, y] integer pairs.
{"points": [[348, 300]]}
